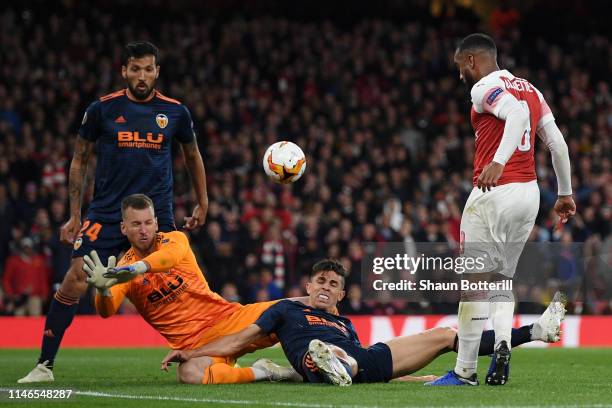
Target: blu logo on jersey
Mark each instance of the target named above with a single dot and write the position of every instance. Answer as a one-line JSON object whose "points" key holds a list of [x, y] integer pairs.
{"points": [[133, 139], [169, 292]]}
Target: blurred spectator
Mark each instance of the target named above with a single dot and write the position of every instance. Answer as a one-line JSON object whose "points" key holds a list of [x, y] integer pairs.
{"points": [[374, 102], [7, 214], [353, 303], [504, 18], [230, 292], [273, 254], [266, 288], [567, 268], [295, 291], [26, 280]]}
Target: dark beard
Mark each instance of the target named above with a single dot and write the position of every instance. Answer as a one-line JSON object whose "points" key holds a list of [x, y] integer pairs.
{"points": [[469, 81], [141, 95]]}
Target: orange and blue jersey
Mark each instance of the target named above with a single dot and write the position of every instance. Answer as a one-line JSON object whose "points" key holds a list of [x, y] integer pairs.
{"points": [[296, 325], [134, 148]]}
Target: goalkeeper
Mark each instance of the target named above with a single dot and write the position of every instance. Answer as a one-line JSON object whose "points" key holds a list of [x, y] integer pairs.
{"points": [[160, 276]]}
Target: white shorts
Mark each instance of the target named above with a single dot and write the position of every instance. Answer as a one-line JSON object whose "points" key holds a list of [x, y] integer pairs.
{"points": [[495, 225]]}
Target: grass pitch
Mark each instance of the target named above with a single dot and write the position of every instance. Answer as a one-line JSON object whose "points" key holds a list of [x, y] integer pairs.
{"points": [[131, 378]]}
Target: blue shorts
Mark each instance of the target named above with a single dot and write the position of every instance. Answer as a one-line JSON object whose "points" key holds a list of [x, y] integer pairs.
{"points": [[105, 238], [375, 364]]}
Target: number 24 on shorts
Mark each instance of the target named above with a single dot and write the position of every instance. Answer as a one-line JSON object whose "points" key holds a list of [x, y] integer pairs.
{"points": [[90, 230]]}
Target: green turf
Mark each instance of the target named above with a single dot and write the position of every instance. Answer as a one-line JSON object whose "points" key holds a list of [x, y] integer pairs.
{"points": [[553, 377]]}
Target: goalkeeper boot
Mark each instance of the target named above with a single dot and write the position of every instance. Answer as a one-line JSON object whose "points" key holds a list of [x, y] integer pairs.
{"points": [[499, 370], [276, 372], [328, 364], [452, 379], [548, 327], [40, 373]]}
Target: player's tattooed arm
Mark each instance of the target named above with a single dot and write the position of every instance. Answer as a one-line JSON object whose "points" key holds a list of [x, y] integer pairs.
{"points": [[76, 180], [195, 167], [78, 172]]}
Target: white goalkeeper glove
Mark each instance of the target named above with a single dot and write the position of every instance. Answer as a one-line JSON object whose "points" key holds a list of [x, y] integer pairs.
{"points": [[127, 272], [95, 269]]}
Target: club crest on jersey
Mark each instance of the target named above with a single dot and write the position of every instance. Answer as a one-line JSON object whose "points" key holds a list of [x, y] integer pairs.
{"points": [[78, 243], [162, 120]]}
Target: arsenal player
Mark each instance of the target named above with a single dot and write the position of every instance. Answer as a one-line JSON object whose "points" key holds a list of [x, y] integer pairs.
{"points": [[507, 113]]}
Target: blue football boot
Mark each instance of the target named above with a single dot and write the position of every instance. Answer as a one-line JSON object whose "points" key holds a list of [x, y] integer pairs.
{"points": [[499, 370], [451, 378]]}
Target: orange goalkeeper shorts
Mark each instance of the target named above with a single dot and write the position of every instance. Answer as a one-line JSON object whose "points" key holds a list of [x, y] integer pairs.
{"points": [[237, 321]]}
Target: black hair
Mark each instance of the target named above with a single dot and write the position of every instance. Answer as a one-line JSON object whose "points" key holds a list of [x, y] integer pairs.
{"points": [[329, 265], [136, 201], [139, 49], [477, 41]]}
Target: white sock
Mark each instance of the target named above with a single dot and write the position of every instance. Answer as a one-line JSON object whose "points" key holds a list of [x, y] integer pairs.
{"points": [[259, 374], [536, 331], [502, 314], [472, 319]]}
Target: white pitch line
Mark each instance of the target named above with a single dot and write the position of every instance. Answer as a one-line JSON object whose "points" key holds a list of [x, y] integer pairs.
{"points": [[204, 400], [299, 404], [288, 404], [214, 400]]}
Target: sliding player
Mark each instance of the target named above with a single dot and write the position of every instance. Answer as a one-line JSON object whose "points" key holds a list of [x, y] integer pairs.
{"points": [[323, 347]]}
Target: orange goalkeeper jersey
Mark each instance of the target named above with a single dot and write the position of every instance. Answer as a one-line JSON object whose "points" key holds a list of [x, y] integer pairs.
{"points": [[173, 296]]}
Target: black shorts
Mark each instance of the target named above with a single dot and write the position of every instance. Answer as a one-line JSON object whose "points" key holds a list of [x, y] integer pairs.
{"points": [[375, 364], [105, 238]]}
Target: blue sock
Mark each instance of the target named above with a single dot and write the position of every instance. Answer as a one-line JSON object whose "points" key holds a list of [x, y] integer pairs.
{"points": [[520, 336], [59, 318]]}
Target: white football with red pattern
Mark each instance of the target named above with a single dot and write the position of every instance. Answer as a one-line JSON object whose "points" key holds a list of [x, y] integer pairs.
{"points": [[284, 162]]}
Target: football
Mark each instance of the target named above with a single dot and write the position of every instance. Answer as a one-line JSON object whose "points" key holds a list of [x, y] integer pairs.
{"points": [[284, 162]]}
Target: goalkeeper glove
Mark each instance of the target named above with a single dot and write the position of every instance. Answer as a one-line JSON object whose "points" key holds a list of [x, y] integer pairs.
{"points": [[127, 272], [95, 269]]}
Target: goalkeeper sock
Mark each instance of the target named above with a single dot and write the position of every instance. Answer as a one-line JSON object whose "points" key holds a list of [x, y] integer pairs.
{"points": [[473, 316], [259, 374], [60, 316], [221, 373], [519, 336]]}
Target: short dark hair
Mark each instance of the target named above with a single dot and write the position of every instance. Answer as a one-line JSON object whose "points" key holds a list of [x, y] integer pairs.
{"points": [[477, 41], [139, 49], [136, 201], [329, 265]]}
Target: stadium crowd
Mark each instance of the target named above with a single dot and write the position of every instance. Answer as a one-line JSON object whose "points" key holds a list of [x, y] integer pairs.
{"points": [[376, 105]]}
